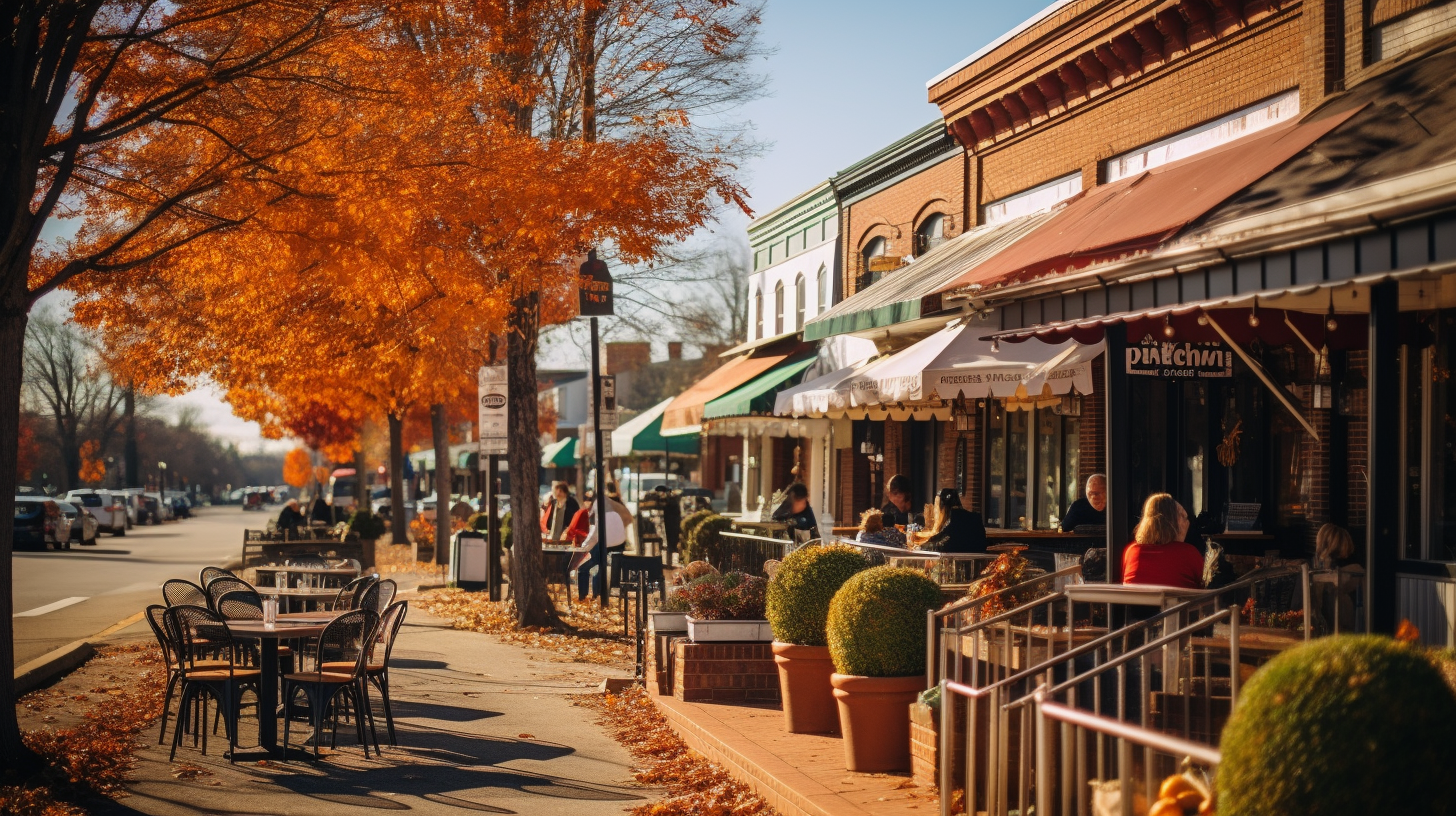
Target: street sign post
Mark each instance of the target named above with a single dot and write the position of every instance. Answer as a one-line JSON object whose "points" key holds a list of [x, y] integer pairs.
{"points": [[494, 413], [595, 298]]}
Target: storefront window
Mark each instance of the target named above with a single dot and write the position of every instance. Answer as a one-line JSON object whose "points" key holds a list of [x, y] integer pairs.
{"points": [[1428, 456], [1032, 456], [1057, 449]]}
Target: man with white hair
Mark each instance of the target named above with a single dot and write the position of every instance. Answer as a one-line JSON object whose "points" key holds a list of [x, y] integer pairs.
{"points": [[1091, 509]]}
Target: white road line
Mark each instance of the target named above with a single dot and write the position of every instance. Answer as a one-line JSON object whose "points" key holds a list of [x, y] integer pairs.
{"points": [[50, 607]]}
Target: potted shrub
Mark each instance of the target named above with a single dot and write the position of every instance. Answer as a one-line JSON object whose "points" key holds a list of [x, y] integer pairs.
{"points": [[369, 528], [798, 611], [672, 615], [876, 633], [726, 607], [704, 542]]}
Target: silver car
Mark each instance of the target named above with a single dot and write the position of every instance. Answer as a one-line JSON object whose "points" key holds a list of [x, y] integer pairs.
{"points": [[82, 524]]}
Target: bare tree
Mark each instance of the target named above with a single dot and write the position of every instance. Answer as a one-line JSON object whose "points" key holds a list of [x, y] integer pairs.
{"points": [[66, 384]]}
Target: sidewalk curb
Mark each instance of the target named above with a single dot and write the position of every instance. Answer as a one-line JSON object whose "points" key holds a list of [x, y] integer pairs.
{"points": [[52, 666]]}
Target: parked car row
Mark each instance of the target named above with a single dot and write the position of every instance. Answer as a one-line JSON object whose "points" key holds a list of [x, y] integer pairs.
{"points": [[42, 521]]}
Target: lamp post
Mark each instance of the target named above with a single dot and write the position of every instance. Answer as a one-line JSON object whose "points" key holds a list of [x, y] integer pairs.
{"points": [[162, 480]]}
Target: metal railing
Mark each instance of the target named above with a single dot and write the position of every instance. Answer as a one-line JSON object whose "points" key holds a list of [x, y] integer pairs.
{"points": [[745, 552], [1068, 791], [946, 569], [1172, 653]]}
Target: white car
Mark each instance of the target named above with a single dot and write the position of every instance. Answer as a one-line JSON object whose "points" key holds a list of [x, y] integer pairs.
{"points": [[109, 509], [82, 524]]}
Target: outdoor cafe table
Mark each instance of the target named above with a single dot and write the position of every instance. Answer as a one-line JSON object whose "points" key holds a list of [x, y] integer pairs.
{"points": [[285, 629], [344, 574]]}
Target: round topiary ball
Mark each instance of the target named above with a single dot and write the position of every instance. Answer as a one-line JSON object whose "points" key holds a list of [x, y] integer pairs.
{"points": [[876, 624], [799, 594], [705, 543], [1341, 725]]}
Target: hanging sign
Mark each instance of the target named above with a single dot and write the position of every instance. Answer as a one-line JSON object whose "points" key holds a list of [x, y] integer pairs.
{"points": [[609, 401], [1174, 359], [594, 285], [494, 433]]}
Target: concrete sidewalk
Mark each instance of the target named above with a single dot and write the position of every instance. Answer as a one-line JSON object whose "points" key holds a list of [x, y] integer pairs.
{"points": [[482, 726]]}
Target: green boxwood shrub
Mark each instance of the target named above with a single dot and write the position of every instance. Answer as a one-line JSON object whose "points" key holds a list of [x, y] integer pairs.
{"points": [[1341, 725], [691, 521], [876, 624], [366, 525], [706, 541], [800, 592]]}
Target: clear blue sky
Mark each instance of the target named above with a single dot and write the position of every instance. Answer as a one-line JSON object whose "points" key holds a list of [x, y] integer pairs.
{"points": [[849, 78]]}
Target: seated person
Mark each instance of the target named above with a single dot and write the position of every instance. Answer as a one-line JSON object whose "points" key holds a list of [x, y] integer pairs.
{"points": [[558, 512], [583, 562], [872, 530], [289, 520], [1091, 509], [956, 530], [795, 510], [899, 509], [1158, 555]]}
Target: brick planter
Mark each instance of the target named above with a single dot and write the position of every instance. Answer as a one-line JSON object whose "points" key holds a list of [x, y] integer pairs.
{"points": [[724, 673], [924, 745]]}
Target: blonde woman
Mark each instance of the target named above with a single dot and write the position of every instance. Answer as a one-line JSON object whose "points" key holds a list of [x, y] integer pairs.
{"points": [[1158, 555]]}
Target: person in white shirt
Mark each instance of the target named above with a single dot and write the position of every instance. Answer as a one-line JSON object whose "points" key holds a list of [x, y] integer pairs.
{"points": [[584, 562]]}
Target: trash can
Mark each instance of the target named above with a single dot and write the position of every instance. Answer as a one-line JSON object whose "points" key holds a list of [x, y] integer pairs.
{"points": [[468, 561]]}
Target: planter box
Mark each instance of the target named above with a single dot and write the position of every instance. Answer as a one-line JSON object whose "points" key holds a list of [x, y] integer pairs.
{"points": [[733, 673], [669, 621], [729, 631]]}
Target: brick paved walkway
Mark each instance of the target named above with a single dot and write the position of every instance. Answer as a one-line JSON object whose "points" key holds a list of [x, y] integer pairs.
{"points": [[799, 774]]}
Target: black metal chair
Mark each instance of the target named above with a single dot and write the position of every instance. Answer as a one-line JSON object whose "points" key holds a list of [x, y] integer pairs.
{"points": [[240, 604], [181, 592], [348, 597], [382, 599], [157, 619], [222, 585], [377, 667], [209, 573], [636, 572], [345, 642], [201, 636]]}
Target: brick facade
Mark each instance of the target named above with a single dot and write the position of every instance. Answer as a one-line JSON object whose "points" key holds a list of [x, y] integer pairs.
{"points": [[897, 211], [724, 672]]}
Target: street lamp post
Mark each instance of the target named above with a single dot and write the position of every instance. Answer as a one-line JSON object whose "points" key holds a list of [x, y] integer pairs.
{"points": [[162, 480]]}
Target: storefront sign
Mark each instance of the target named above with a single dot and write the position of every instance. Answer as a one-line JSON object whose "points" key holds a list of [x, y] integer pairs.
{"points": [[609, 401], [493, 388], [595, 286], [1175, 359]]}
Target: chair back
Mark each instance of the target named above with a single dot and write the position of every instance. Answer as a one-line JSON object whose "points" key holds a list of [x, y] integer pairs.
{"points": [[348, 639], [387, 589], [240, 604], [209, 573], [349, 597], [222, 585], [181, 592], [389, 625], [157, 619], [199, 634]]}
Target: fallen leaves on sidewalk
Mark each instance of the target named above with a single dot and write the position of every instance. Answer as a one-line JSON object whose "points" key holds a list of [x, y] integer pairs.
{"points": [[695, 786], [594, 635], [93, 756]]}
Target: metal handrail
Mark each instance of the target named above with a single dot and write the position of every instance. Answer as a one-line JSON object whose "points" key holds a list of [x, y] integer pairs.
{"points": [[751, 537], [905, 552], [933, 629]]}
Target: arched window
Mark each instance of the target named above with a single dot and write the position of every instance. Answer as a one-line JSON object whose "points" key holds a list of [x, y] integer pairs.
{"points": [[930, 234], [801, 297], [758, 314], [823, 289], [779, 308], [874, 249]]}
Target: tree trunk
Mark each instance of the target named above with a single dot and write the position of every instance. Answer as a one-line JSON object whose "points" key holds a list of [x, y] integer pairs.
{"points": [[361, 485], [443, 470], [13, 318], [528, 576], [398, 527], [130, 459]]}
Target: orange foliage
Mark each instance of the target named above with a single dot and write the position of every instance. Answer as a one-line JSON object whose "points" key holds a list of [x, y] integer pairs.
{"points": [[93, 470], [29, 449], [297, 467]]}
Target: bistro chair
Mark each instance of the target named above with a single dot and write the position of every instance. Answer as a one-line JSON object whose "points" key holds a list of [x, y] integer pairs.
{"points": [[157, 619], [387, 590], [181, 592], [348, 597], [344, 644], [199, 635], [209, 573], [377, 668], [218, 587]]}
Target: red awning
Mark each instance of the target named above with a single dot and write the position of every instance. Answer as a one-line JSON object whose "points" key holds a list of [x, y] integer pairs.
{"points": [[1149, 208], [687, 409]]}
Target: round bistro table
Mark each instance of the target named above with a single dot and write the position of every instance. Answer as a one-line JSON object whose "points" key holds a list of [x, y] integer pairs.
{"points": [[284, 629]]}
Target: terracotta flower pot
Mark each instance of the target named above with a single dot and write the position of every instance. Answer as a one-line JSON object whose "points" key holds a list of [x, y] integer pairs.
{"points": [[874, 716], [804, 672]]}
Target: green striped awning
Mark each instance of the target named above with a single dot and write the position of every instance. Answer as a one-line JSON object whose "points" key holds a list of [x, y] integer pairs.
{"points": [[757, 395], [559, 454]]}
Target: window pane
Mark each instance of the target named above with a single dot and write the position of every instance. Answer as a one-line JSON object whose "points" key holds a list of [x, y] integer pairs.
{"points": [[1441, 481], [1412, 401], [1071, 460], [996, 472], [1017, 431], [1048, 467]]}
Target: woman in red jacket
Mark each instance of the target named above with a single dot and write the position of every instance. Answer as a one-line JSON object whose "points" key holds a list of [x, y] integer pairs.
{"points": [[1159, 554]]}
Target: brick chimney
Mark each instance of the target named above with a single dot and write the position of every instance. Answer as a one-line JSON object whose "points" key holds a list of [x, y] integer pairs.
{"points": [[626, 356], [674, 350]]}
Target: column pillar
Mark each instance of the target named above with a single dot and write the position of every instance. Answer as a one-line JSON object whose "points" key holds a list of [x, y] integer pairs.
{"points": [[1119, 460], [1382, 537]]}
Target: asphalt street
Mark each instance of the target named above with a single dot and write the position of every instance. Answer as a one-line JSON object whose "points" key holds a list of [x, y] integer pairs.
{"points": [[79, 593]]}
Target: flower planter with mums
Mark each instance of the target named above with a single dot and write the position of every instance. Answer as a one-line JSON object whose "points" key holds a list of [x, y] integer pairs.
{"points": [[726, 658], [876, 632], [726, 607], [798, 610]]}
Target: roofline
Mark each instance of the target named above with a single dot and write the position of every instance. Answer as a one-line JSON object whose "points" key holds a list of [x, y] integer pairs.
{"points": [[763, 221], [854, 182], [1056, 6]]}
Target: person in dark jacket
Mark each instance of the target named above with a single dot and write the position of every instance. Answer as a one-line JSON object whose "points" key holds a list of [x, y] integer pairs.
{"points": [[957, 530], [320, 511], [289, 519], [1091, 509], [899, 507], [795, 511], [558, 513]]}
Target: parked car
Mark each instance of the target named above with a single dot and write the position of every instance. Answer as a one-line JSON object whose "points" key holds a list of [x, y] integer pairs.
{"points": [[152, 509], [164, 507], [108, 508], [379, 501], [131, 497], [38, 522], [82, 524]]}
